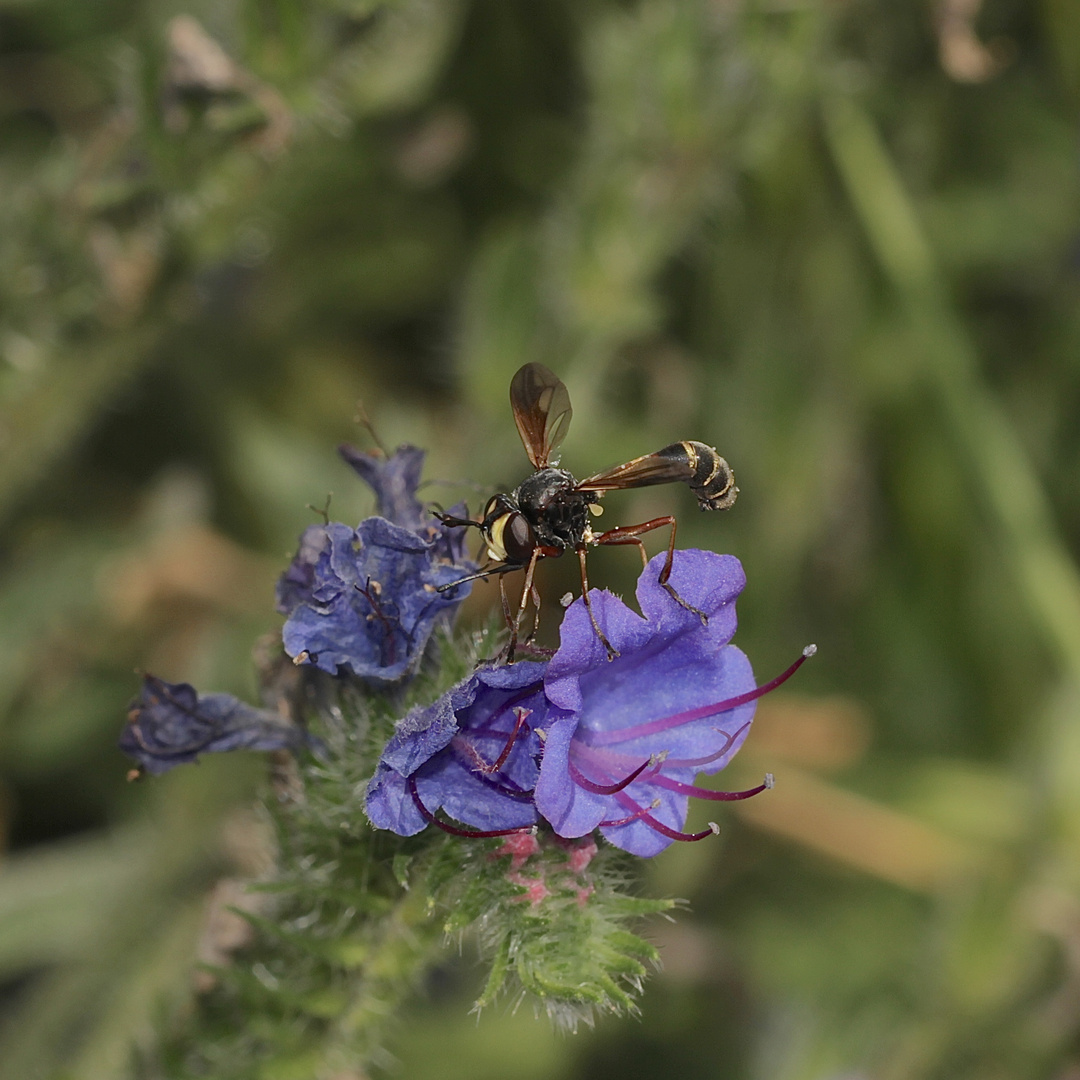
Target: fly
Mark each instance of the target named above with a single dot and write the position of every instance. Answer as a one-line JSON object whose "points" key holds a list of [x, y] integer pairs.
{"points": [[550, 511]]}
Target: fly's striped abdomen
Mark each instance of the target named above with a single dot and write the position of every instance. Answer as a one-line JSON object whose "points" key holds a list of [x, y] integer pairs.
{"points": [[707, 474]]}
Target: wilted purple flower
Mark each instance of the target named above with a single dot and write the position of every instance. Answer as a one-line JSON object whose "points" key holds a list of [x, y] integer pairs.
{"points": [[170, 724], [395, 480], [473, 754], [366, 598], [677, 701]]}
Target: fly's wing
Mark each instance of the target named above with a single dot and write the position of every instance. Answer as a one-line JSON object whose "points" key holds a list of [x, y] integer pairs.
{"points": [[671, 465], [542, 411]]}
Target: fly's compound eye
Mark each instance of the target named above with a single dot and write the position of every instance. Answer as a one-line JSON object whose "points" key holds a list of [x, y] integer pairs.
{"points": [[511, 539]]}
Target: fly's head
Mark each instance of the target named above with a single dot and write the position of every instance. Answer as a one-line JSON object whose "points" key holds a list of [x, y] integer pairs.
{"points": [[507, 532]]}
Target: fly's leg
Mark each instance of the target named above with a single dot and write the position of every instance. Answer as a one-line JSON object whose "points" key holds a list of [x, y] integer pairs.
{"points": [[526, 591], [508, 614], [629, 534], [528, 642], [612, 652]]}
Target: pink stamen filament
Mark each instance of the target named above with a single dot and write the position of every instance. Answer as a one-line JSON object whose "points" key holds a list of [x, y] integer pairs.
{"points": [[583, 781], [706, 793], [658, 826], [454, 830], [613, 759], [690, 763], [509, 789], [477, 762], [652, 727], [519, 723], [614, 824], [466, 756], [610, 762]]}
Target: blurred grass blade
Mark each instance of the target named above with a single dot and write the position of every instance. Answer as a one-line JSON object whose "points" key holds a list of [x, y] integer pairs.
{"points": [[43, 422], [980, 426], [52, 899]]}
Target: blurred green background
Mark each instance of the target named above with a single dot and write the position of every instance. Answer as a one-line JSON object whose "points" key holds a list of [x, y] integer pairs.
{"points": [[839, 240]]}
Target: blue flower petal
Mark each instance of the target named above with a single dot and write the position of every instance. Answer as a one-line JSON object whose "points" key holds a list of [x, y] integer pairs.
{"points": [[571, 810], [441, 747], [367, 599]]}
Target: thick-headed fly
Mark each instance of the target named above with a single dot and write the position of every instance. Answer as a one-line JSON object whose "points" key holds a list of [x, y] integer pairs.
{"points": [[549, 512]]}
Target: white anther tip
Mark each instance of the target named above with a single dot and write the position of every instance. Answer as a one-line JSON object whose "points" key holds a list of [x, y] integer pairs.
{"points": [[809, 651], [566, 599], [714, 828], [770, 781]]}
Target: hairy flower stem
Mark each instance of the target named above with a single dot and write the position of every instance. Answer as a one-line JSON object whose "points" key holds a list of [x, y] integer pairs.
{"points": [[411, 941]]}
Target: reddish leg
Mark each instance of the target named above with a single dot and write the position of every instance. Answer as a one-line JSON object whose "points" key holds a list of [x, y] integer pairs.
{"points": [[526, 591], [508, 614], [629, 534], [528, 642], [612, 652], [508, 618]]}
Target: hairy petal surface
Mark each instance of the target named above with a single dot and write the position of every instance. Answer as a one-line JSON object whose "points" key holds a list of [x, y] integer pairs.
{"points": [[394, 479]]}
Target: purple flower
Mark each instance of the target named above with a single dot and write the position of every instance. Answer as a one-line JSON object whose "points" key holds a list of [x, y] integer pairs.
{"points": [[368, 598], [677, 701], [169, 724], [365, 598], [585, 742], [473, 753]]}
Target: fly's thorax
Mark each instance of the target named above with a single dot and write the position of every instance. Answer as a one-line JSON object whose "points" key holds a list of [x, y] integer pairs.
{"points": [[556, 511], [537, 492]]}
